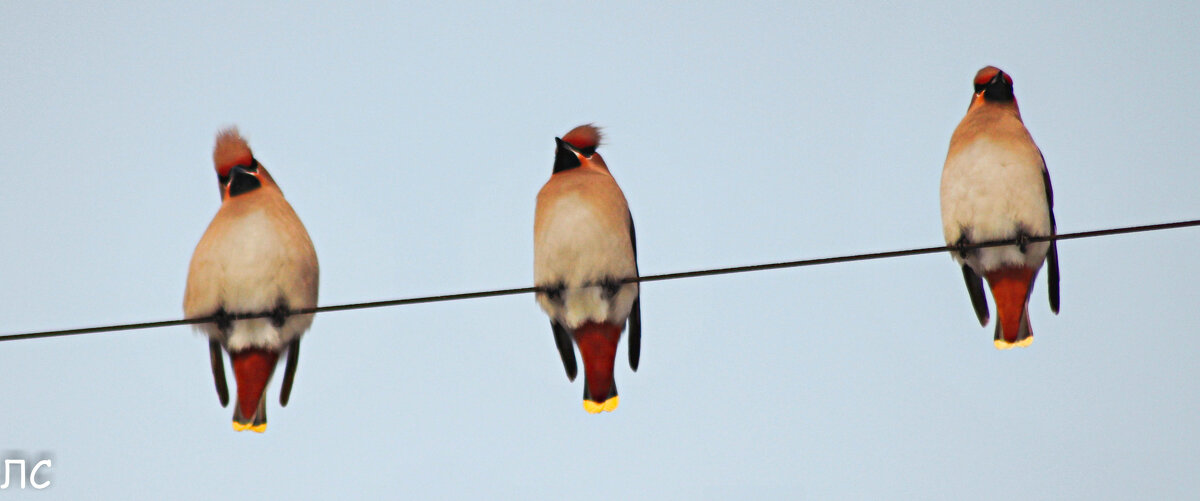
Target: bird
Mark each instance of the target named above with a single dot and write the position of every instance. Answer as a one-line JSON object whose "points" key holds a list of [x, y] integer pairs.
{"points": [[255, 259], [585, 251], [995, 186]]}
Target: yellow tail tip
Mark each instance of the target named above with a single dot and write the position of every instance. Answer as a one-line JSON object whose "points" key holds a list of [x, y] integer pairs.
{"points": [[1005, 345], [254, 428], [608, 405]]}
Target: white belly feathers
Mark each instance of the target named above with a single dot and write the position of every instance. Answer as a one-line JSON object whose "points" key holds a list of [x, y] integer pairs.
{"points": [[246, 267], [992, 192]]}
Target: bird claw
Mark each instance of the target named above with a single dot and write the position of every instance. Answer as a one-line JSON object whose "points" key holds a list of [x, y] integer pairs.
{"points": [[961, 246], [611, 288], [553, 292], [1022, 241], [279, 315], [223, 320]]}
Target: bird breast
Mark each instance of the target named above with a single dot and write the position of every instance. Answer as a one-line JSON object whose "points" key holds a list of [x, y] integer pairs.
{"points": [[993, 189], [252, 258], [582, 240]]}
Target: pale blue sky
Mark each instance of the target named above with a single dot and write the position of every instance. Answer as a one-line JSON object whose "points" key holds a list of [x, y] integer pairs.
{"points": [[412, 140]]}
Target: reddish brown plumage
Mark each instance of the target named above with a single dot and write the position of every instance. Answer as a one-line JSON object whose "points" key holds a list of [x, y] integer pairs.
{"points": [[231, 150], [1010, 289], [598, 347], [987, 73], [584, 136], [252, 369]]}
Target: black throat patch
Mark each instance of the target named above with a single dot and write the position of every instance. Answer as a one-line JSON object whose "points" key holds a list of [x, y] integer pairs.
{"points": [[998, 90], [564, 157], [242, 180]]}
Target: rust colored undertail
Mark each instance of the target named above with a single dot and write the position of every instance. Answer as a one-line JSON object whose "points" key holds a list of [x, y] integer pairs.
{"points": [[252, 370], [598, 347], [1010, 289]]}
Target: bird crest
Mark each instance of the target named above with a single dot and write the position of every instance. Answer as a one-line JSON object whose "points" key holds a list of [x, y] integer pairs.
{"points": [[986, 74], [584, 137], [231, 150]]}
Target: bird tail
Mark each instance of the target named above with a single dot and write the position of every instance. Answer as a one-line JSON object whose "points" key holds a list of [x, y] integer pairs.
{"points": [[1010, 289], [598, 347], [252, 369]]}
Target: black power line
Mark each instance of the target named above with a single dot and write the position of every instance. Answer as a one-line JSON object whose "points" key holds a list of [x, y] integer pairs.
{"points": [[645, 278]]}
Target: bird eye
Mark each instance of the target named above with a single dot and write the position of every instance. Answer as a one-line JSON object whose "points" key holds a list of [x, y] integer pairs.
{"points": [[588, 152]]}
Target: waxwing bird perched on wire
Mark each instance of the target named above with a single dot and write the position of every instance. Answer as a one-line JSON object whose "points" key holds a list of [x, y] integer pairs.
{"points": [[995, 186], [583, 247], [255, 258]]}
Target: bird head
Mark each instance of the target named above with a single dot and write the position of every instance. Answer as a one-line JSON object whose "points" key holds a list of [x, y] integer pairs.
{"points": [[578, 148], [238, 172], [993, 85]]}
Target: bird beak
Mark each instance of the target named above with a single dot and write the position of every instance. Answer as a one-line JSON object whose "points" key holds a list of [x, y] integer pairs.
{"points": [[239, 169], [998, 79]]}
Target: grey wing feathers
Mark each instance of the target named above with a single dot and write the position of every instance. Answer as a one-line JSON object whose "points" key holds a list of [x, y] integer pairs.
{"points": [[289, 372], [562, 340], [975, 289], [635, 316], [1052, 255], [217, 360]]}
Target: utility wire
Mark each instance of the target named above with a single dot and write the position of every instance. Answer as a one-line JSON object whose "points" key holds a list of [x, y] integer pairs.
{"points": [[645, 278]]}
